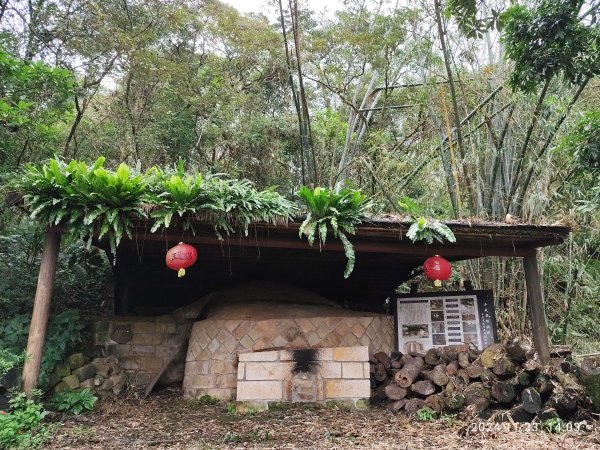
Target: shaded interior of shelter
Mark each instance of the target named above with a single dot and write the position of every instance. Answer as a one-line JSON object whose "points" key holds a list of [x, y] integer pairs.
{"points": [[385, 259]]}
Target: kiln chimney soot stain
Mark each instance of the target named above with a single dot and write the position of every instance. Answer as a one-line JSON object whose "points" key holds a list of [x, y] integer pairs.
{"points": [[305, 360]]}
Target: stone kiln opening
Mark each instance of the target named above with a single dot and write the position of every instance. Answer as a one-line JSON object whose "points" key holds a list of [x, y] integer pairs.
{"points": [[267, 337], [258, 341]]}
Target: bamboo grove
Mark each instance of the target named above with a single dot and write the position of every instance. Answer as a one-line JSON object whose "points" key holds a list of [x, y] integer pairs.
{"points": [[475, 110]]}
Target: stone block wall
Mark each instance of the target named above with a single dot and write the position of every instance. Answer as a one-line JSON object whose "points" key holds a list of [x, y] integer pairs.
{"points": [[143, 345], [339, 374], [212, 358]]}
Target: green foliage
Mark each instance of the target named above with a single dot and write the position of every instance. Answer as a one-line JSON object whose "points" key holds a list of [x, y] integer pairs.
{"points": [[208, 400], [231, 437], [176, 194], [73, 402], [231, 410], [259, 435], [554, 425], [449, 418], [20, 426], [10, 360], [80, 278], [228, 204], [335, 212], [467, 15], [423, 229], [34, 97], [63, 335], [426, 414], [592, 202], [548, 40], [86, 200], [429, 230], [30, 86], [96, 202], [584, 142], [14, 332]]}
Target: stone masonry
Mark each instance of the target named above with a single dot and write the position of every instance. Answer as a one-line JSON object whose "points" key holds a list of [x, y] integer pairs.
{"points": [[143, 345], [212, 359], [246, 318], [340, 374]]}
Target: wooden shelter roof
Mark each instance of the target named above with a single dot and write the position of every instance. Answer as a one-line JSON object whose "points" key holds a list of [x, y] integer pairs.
{"points": [[385, 258]]}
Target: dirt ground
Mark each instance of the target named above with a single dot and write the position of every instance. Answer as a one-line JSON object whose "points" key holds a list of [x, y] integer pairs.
{"points": [[166, 421]]}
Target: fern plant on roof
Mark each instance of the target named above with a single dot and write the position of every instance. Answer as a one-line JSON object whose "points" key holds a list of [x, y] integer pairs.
{"points": [[174, 194], [88, 201], [226, 203], [339, 213]]}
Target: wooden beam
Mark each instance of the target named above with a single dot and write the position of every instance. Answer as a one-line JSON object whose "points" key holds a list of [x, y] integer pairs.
{"points": [[41, 309], [535, 306], [390, 247]]}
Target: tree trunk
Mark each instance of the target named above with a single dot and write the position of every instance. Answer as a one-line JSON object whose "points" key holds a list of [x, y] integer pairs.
{"points": [[437, 376], [475, 369], [413, 405], [503, 392], [435, 403], [395, 392], [478, 396], [380, 372], [463, 360], [408, 374], [517, 351], [531, 400], [457, 124], [590, 378], [41, 310], [491, 354], [433, 356], [423, 387], [396, 406], [504, 366], [452, 368], [384, 359], [455, 401], [535, 306]]}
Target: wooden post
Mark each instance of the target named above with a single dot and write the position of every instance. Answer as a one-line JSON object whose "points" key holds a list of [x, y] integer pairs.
{"points": [[535, 305], [41, 309]]}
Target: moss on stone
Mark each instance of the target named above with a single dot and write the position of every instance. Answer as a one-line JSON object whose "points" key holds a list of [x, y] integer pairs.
{"points": [[279, 406], [245, 408], [362, 403]]}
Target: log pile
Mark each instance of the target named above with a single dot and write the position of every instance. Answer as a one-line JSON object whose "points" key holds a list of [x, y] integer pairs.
{"points": [[503, 378], [102, 376]]}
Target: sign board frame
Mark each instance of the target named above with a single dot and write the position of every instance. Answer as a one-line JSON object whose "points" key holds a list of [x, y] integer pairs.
{"points": [[450, 314]]}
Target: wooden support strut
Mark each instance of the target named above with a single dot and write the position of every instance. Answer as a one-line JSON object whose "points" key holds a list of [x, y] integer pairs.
{"points": [[41, 310], [535, 305]]}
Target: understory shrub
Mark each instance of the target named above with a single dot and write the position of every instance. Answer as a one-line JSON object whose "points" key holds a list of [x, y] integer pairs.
{"points": [[63, 335], [9, 361], [81, 275], [21, 426], [73, 402]]}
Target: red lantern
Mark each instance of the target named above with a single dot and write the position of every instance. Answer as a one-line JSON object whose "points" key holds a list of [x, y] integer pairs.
{"points": [[437, 268], [180, 257]]}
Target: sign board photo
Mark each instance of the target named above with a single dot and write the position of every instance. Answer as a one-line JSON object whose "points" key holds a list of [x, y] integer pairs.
{"points": [[427, 320]]}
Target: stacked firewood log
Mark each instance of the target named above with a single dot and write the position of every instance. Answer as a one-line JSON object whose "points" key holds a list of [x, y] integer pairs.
{"points": [[458, 377]]}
